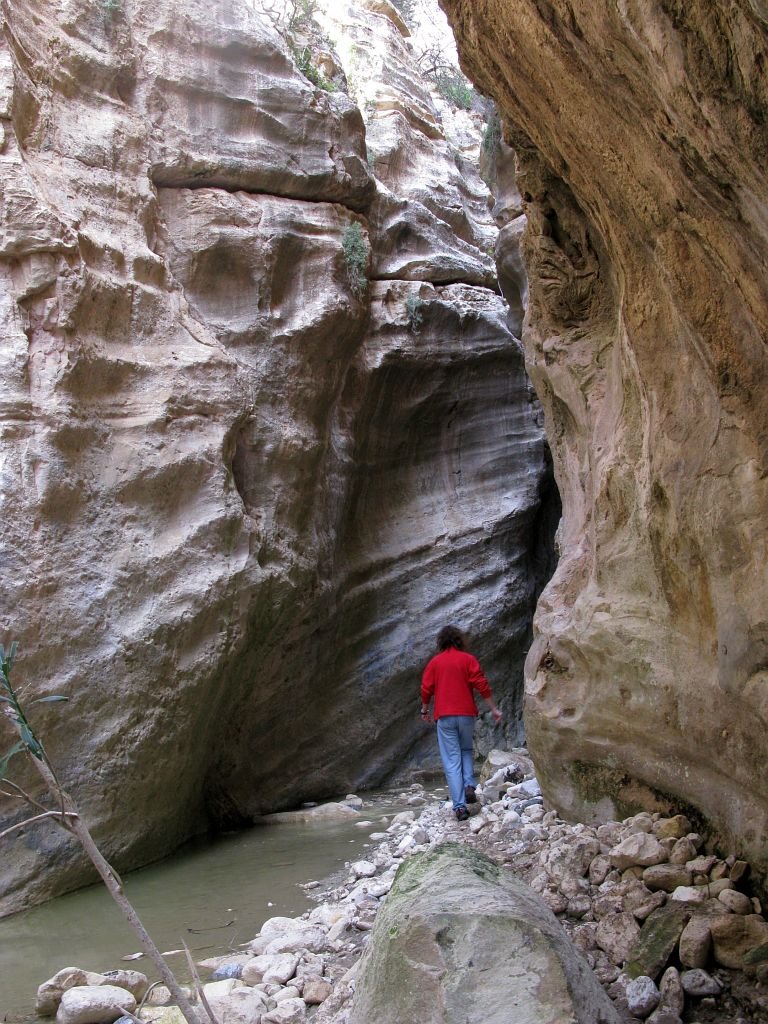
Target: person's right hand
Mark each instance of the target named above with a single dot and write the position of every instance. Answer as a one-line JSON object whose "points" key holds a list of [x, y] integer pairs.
{"points": [[497, 716]]}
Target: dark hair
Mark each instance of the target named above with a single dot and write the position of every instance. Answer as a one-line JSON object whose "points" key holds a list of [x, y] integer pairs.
{"points": [[450, 636]]}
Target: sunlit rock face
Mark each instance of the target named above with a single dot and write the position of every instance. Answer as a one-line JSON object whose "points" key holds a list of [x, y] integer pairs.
{"points": [[240, 491], [641, 137]]}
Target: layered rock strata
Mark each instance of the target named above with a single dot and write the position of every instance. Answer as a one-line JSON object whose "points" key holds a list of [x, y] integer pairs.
{"points": [[242, 486], [641, 144]]}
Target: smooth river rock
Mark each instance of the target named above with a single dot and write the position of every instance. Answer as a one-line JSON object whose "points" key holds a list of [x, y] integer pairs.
{"points": [[459, 939], [94, 1004]]}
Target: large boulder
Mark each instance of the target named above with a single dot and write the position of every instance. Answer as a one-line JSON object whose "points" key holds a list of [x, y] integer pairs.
{"points": [[458, 939]]}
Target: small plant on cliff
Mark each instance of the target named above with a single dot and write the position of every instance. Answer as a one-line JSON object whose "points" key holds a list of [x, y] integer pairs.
{"points": [[454, 88], [355, 251], [414, 307], [491, 133], [446, 78], [303, 59], [65, 813]]}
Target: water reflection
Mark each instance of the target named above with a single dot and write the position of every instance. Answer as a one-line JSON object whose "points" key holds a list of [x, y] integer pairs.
{"points": [[213, 895]]}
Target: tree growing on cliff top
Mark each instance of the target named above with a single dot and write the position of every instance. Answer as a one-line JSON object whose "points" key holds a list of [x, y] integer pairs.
{"points": [[66, 814]]}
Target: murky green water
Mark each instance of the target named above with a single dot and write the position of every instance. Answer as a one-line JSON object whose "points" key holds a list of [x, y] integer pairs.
{"points": [[213, 896]]}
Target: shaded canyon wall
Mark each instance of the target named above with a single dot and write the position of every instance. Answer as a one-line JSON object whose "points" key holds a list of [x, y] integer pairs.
{"points": [[640, 132], [242, 488]]}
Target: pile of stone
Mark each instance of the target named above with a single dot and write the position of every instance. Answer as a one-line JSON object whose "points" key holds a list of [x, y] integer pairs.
{"points": [[654, 916], [663, 925]]}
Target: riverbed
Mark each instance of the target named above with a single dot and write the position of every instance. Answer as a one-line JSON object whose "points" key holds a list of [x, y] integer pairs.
{"points": [[212, 895]]}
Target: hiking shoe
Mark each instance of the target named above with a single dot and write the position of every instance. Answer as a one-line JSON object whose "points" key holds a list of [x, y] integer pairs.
{"points": [[461, 813], [469, 795]]}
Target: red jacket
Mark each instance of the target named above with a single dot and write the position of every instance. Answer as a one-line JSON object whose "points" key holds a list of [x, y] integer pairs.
{"points": [[451, 676]]}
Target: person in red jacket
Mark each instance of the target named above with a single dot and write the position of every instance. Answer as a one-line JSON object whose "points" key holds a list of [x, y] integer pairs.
{"points": [[450, 677]]}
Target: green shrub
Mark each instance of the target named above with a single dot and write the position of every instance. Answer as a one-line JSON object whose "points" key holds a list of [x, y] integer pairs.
{"points": [[414, 307], [300, 13], [355, 251], [303, 60], [454, 88], [491, 134]]}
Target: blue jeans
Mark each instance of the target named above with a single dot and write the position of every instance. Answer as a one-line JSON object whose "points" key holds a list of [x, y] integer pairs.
{"points": [[454, 740]]}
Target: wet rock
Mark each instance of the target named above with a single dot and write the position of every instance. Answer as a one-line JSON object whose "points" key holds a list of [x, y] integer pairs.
{"points": [[94, 1004]]}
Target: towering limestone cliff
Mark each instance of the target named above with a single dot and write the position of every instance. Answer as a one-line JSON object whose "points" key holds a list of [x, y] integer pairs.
{"points": [[640, 132], [265, 425]]}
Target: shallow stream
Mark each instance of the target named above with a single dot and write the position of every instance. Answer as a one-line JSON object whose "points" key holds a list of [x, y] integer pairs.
{"points": [[212, 895]]}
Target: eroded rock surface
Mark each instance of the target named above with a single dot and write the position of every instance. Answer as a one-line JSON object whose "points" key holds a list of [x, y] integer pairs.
{"points": [[460, 940], [641, 140], [241, 492]]}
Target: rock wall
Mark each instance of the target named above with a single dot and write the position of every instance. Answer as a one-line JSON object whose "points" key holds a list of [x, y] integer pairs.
{"points": [[640, 132], [242, 487]]}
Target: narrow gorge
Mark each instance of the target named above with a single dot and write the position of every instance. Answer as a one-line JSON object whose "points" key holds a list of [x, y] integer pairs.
{"points": [[281, 374], [266, 422]]}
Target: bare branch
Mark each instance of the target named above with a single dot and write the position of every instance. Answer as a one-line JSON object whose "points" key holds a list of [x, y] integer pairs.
{"points": [[38, 817], [133, 1017], [21, 794], [198, 984], [110, 878]]}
